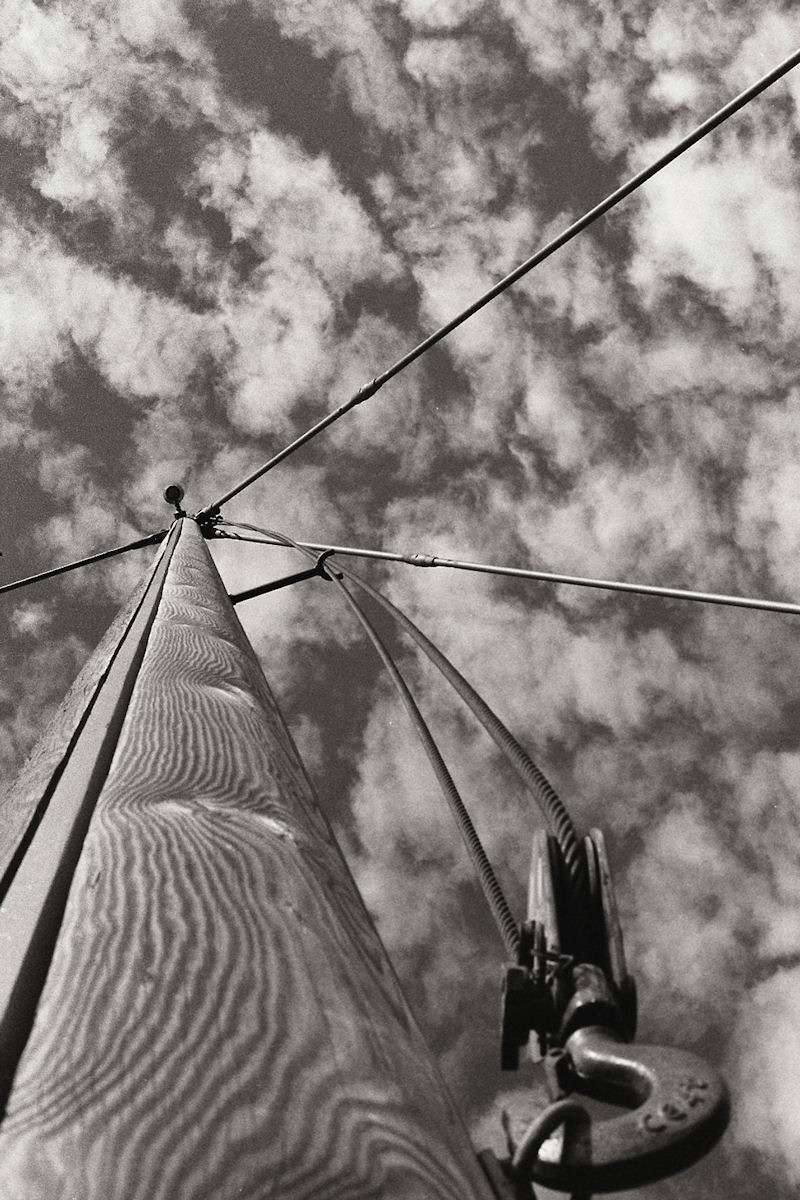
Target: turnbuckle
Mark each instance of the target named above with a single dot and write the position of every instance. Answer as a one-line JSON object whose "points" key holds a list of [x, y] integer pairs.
{"points": [[584, 1013]]}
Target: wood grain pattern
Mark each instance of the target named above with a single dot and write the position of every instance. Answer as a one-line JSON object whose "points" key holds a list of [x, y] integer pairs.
{"points": [[36, 892], [220, 1018], [30, 790]]}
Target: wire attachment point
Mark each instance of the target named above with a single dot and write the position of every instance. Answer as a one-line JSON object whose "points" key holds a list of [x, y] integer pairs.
{"points": [[321, 566], [367, 391], [208, 519]]}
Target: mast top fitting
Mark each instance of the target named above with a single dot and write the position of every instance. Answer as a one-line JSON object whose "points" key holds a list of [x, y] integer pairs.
{"points": [[173, 494]]}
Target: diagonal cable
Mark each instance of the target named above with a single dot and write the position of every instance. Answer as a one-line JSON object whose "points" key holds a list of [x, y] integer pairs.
{"points": [[551, 806], [151, 540], [609, 585], [599, 210], [503, 917]]}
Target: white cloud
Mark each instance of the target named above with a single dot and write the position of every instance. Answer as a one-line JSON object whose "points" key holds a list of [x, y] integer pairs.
{"points": [[772, 39], [711, 219], [767, 525], [262, 177], [50, 667], [31, 618], [768, 786], [42, 52], [154, 26], [359, 38], [653, 519], [282, 335], [281, 325], [78, 169], [444, 14], [144, 344], [689, 903], [765, 1067]]}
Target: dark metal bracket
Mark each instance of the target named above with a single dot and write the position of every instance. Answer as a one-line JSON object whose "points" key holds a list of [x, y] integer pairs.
{"points": [[318, 569]]}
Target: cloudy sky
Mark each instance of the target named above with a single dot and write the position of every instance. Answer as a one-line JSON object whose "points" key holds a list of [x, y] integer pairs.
{"points": [[218, 219]]}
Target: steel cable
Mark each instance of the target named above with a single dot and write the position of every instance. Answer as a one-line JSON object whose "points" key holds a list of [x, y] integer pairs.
{"points": [[550, 804], [490, 885], [493, 892], [610, 585], [151, 540], [368, 390]]}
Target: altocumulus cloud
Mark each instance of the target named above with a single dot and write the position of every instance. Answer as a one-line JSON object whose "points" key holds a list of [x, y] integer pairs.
{"points": [[218, 220]]}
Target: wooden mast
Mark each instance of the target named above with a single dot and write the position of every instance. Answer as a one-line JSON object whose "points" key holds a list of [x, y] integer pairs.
{"points": [[219, 1018]]}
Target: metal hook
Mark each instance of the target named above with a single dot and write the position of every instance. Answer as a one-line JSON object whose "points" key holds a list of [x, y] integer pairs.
{"points": [[679, 1109], [676, 1105]]}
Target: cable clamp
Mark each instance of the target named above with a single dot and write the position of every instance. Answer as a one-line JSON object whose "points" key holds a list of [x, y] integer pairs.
{"points": [[420, 560], [366, 392], [530, 988], [321, 569]]}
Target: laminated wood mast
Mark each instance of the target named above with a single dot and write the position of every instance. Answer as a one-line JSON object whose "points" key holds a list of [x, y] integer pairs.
{"points": [[194, 1000]]}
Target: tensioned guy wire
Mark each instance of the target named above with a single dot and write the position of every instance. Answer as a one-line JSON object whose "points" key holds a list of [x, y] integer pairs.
{"points": [[369, 389], [552, 808], [151, 540], [498, 905], [503, 917], [609, 585]]}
